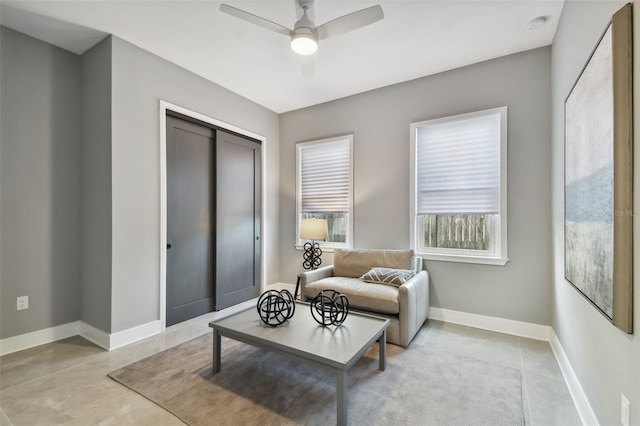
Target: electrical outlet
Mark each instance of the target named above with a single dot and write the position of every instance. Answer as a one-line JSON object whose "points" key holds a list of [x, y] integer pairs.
{"points": [[625, 411], [23, 302]]}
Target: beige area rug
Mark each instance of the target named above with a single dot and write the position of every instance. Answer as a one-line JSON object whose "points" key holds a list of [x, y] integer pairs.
{"points": [[255, 387]]}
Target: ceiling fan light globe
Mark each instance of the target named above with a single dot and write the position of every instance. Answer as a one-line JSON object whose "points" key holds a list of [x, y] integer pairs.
{"points": [[304, 44]]}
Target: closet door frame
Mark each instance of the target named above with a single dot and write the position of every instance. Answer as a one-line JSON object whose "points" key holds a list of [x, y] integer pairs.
{"points": [[166, 107]]}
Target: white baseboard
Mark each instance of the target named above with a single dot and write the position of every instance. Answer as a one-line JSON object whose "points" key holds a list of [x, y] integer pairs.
{"points": [[587, 416], [501, 325], [120, 338], [37, 338], [130, 335], [99, 337], [95, 335]]}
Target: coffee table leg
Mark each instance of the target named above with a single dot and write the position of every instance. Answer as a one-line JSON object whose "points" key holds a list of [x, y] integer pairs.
{"points": [[341, 392], [216, 351], [382, 351]]}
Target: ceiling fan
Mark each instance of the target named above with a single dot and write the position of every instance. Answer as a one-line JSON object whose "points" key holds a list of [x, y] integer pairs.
{"points": [[305, 34]]}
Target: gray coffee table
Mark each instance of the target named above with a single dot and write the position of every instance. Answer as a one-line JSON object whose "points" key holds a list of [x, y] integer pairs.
{"points": [[336, 348]]}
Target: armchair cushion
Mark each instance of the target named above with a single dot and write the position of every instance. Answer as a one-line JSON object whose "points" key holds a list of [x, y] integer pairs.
{"points": [[389, 276], [361, 295], [354, 263]]}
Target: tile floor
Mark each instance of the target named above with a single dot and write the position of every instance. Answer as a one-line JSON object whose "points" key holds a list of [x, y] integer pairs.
{"points": [[65, 382]]}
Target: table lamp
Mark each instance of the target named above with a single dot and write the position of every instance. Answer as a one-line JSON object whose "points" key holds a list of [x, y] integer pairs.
{"points": [[313, 229]]}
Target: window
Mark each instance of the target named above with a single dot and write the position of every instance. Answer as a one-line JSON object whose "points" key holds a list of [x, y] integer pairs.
{"points": [[458, 187], [324, 187]]}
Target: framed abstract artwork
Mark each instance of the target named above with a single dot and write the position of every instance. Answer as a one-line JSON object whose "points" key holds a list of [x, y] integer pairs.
{"points": [[598, 226]]}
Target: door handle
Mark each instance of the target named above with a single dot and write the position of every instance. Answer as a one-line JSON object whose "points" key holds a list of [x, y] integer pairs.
{"points": [[168, 246]]}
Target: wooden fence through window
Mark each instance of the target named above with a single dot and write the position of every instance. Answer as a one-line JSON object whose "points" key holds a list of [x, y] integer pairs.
{"points": [[469, 232]]}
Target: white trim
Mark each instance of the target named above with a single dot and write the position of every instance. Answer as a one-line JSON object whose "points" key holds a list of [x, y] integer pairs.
{"points": [[325, 249], [121, 338], [330, 246], [99, 337], [133, 334], [498, 255], [499, 261], [94, 335], [163, 214], [36, 338], [164, 106], [501, 325], [580, 400]]}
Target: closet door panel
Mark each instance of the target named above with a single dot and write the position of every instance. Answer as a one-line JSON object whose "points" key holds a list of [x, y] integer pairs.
{"points": [[190, 213], [238, 231]]}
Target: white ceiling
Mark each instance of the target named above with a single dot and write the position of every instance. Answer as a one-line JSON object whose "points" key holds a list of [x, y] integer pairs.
{"points": [[416, 38]]}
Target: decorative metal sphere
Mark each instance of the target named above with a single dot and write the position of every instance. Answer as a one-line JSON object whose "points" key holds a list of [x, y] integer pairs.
{"points": [[330, 308], [276, 307]]}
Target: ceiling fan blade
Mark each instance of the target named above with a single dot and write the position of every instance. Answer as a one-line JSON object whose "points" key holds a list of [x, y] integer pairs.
{"points": [[350, 22], [254, 19]]}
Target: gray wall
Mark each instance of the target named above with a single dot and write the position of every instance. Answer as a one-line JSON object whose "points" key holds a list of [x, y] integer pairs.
{"points": [[40, 179], [140, 81], [605, 359], [380, 121], [96, 186], [80, 179]]}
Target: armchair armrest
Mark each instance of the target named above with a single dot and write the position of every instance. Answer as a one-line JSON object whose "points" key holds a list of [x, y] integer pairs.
{"points": [[315, 275], [414, 306]]}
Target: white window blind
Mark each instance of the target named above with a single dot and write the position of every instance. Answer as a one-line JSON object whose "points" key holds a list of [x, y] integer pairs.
{"points": [[458, 166], [324, 177]]}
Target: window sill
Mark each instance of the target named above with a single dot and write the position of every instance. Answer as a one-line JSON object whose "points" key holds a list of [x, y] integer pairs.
{"points": [[325, 249], [497, 261]]}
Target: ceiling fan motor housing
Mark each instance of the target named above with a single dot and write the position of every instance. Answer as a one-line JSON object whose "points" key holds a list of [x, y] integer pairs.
{"points": [[304, 37], [304, 25]]}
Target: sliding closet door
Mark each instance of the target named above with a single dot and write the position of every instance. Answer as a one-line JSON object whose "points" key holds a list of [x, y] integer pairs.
{"points": [[238, 231], [190, 213]]}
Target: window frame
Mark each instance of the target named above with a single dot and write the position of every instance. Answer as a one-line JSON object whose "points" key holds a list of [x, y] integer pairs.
{"points": [[326, 245], [498, 256]]}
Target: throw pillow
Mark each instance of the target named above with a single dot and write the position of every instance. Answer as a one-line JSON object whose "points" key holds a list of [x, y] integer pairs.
{"points": [[395, 277]]}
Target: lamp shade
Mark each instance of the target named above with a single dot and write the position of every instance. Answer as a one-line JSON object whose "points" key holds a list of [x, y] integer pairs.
{"points": [[314, 229]]}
